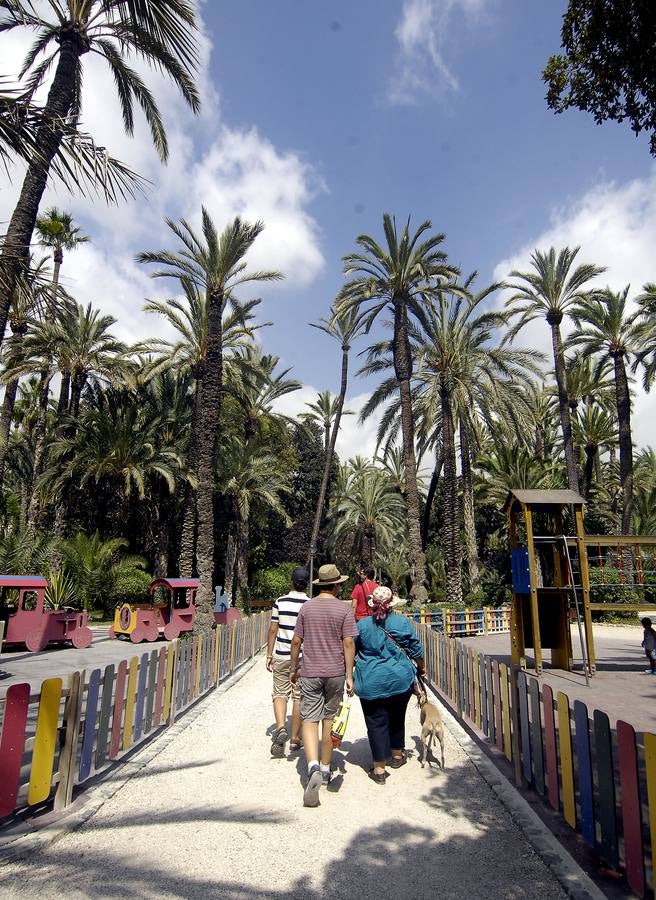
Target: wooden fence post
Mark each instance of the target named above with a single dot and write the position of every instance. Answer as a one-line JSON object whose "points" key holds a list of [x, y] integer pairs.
{"points": [[174, 684], [514, 718], [67, 760]]}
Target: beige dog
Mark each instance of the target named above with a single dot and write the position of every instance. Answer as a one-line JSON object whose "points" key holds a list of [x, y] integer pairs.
{"points": [[431, 727]]}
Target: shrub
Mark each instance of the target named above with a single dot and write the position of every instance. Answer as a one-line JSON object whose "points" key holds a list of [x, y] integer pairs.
{"points": [[130, 586], [269, 584]]}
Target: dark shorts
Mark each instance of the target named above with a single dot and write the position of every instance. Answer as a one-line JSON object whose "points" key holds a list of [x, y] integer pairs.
{"points": [[320, 697]]}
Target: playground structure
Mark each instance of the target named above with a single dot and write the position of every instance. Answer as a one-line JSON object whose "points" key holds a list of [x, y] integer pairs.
{"points": [[28, 622], [554, 576], [170, 611]]}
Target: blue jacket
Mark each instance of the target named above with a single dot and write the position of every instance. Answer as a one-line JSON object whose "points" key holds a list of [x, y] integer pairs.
{"points": [[382, 669]]}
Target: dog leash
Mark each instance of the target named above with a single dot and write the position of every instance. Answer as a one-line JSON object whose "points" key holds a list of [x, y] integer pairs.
{"points": [[418, 685]]}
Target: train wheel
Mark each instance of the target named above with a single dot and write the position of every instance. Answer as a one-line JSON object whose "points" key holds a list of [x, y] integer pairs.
{"points": [[112, 634], [152, 633], [81, 638], [137, 635], [171, 632], [36, 641]]}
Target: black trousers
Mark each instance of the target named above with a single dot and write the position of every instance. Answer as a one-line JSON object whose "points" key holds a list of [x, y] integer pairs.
{"points": [[385, 720]]}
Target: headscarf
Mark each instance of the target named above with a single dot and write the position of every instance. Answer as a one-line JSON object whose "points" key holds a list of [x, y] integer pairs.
{"points": [[380, 603]]}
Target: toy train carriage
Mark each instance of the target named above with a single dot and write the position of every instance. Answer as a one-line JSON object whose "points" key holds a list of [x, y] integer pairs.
{"points": [[169, 611], [22, 604]]}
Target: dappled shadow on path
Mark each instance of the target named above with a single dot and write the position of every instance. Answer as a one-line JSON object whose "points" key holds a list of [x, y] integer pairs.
{"points": [[453, 840]]}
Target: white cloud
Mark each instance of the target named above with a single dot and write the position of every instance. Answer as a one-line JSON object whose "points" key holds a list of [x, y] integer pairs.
{"points": [[232, 171], [423, 38], [615, 226]]}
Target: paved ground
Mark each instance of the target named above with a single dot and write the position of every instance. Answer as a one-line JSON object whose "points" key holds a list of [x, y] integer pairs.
{"points": [[620, 687], [18, 665], [213, 816]]}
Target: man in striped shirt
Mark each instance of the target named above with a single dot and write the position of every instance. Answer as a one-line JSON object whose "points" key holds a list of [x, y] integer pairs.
{"points": [[325, 628], [281, 631]]}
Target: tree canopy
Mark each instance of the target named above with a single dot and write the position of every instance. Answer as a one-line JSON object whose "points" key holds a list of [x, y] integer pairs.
{"points": [[608, 63]]}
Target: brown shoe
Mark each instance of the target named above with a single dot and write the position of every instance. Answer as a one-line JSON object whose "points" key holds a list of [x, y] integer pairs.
{"points": [[398, 761], [378, 777]]}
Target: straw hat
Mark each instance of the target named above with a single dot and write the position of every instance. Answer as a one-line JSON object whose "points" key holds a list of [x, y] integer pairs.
{"points": [[329, 575]]}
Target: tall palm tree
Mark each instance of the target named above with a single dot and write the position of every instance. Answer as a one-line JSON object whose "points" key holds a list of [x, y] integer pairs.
{"points": [[215, 264], [343, 326], [188, 316], [551, 290], [161, 33], [57, 231], [398, 278], [605, 329]]}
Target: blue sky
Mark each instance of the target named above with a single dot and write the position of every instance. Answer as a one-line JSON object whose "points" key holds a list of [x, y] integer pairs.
{"points": [[319, 118]]}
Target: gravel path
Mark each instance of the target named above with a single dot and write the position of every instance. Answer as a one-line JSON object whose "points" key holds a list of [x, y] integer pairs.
{"points": [[214, 816]]}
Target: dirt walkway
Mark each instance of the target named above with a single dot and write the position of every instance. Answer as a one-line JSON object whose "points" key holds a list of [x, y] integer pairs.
{"points": [[213, 816]]}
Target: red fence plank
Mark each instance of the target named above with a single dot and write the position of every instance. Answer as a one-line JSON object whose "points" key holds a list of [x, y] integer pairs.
{"points": [[11, 745], [550, 747], [630, 799]]}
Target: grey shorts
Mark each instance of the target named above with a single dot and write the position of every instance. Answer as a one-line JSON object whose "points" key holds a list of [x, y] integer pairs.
{"points": [[320, 697]]}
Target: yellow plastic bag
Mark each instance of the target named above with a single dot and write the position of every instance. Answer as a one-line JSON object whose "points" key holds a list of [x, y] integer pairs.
{"points": [[340, 722]]}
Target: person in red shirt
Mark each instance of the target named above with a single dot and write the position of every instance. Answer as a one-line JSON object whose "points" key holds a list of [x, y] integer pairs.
{"points": [[361, 592]]}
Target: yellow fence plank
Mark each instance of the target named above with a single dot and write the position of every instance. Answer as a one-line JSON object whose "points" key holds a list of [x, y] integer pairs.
{"points": [[505, 710], [45, 741], [128, 723], [650, 774], [566, 763]]}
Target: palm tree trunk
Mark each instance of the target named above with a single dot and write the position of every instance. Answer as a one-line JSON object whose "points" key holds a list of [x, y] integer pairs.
{"points": [[77, 386], [403, 372], [39, 448], [330, 452], [206, 447], [591, 454], [563, 406], [468, 515], [15, 252], [450, 523], [188, 535], [6, 418], [430, 497], [623, 400], [64, 394]]}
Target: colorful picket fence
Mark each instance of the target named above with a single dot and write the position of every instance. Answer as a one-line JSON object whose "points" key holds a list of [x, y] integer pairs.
{"points": [[63, 735], [601, 780], [464, 622]]}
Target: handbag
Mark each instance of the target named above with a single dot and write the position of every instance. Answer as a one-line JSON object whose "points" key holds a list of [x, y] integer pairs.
{"points": [[340, 722], [418, 687]]}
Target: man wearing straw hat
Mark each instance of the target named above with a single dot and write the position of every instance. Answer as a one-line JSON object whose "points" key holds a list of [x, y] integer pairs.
{"points": [[326, 629]]}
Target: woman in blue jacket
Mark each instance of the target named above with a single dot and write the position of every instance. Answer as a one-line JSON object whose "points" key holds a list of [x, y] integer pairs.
{"points": [[384, 677]]}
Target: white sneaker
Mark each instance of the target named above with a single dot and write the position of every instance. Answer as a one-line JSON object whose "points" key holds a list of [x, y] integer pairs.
{"points": [[649, 672]]}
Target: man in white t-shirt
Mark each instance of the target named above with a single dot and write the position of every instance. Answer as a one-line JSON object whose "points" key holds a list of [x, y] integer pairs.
{"points": [[281, 631]]}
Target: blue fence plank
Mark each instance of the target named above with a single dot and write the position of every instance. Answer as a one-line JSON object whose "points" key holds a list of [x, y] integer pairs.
{"points": [[584, 766], [527, 762]]}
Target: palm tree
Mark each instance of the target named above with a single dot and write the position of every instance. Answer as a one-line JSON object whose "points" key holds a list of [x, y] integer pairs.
{"points": [[160, 32], [367, 512], [551, 290], [605, 329], [594, 430], [215, 264], [95, 565], [252, 477], [399, 278], [188, 315], [252, 380], [323, 411], [56, 230], [342, 326]]}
